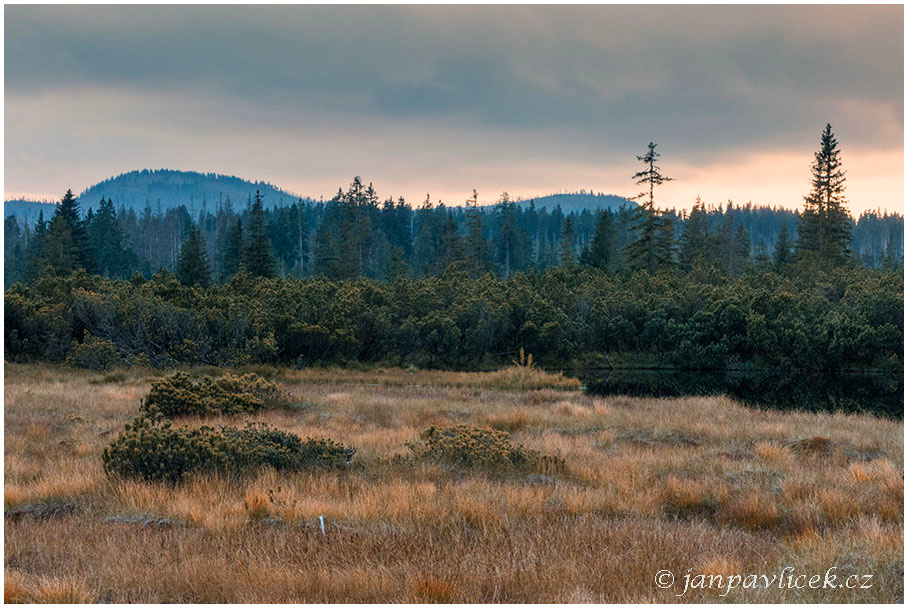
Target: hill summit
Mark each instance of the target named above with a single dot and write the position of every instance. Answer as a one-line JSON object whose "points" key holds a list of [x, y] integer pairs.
{"points": [[170, 188]]}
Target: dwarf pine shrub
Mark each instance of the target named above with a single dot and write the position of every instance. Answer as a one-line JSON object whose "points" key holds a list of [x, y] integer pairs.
{"points": [[230, 395], [94, 354], [151, 448], [474, 447]]}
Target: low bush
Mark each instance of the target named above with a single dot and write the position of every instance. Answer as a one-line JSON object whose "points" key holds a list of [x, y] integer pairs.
{"points": [[230, 394], [150, 448], [94, 354], [473, 447]]}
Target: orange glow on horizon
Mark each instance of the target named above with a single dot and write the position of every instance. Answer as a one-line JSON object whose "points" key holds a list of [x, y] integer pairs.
{"points": [[777, 179]]}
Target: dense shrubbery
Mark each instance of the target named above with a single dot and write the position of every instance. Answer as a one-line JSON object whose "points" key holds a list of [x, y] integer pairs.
{"points": [[94, 353], [230, 394], [150, 448], [841, 318], [473, 447]]}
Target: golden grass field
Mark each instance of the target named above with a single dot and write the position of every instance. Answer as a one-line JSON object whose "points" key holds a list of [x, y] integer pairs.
{"points": [[698, 483]]}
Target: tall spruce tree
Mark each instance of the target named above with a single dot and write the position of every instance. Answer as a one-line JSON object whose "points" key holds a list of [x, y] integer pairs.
{"points": [[477, 248], [653, 243], [258, 254], [825, 228], [192, 264], [68, 210]]}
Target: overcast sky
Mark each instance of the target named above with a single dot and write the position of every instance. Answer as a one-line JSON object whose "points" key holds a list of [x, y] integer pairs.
{"points": [[529, 100]]}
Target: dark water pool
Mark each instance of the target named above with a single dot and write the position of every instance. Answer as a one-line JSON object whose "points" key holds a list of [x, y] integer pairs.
{"points": [[878, 394]]}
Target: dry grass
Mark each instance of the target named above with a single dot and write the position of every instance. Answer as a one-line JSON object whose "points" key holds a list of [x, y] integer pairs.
{"points": [[700, 483], [514, 377], [17, 588]]}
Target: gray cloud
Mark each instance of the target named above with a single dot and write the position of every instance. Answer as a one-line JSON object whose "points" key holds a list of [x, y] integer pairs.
{"points": [[705, 81]]}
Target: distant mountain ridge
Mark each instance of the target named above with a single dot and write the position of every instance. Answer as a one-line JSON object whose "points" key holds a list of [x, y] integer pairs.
{"points": [[170, 188], [162, 189]]}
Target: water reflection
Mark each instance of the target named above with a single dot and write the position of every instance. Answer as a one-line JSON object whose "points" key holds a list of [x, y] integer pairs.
{"points": [[878, 394]]}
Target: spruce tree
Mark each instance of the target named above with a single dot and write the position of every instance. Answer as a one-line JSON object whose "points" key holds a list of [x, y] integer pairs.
{"points": [[397, 265], [477, 249], [566, 245], [68, 210], [508, 240], [665, 244], [301, 254], [258, 254], [762, 260], [825, 229], [782, 252], [111, 256], [695, 240], [890, 259], [425, 242], [60, 250], [232, 255], [34, 252], [741, 251], [13, 260], [192, 265], [653, 244], [451, 247], [601, 252]]}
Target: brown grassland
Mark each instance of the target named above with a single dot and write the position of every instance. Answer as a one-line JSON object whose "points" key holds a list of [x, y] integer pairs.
{"points": [[697, 483]]}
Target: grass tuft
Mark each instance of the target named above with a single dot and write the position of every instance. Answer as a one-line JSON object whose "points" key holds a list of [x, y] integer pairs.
{"points": [[756, 511], [686, 498], [44, 590]]}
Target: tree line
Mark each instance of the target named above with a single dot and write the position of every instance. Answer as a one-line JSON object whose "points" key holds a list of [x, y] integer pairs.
{"points": [[357, 235], [464, 287]]}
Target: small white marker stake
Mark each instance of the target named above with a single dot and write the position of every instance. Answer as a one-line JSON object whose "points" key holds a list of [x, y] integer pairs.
{"points": [[322, 525]]}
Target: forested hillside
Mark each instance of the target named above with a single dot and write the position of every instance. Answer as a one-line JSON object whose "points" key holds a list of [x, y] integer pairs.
{"points": [[165, 189], [26, 211], [161, 190]]}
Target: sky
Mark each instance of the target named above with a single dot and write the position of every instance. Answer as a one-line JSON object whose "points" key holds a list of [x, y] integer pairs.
{"points": [[531, 100]]}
